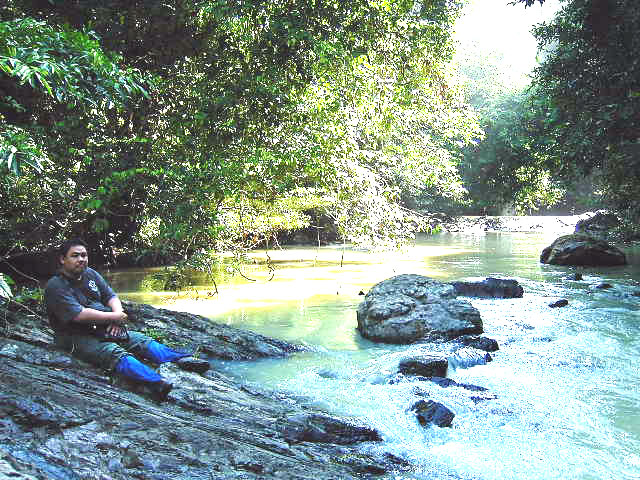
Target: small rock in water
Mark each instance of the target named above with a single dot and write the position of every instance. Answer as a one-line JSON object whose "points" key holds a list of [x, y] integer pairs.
{"points": [[576, 276], [424, 365], [604, 286], [481, 343], [559, 303], [636, 293], [428, 411]]}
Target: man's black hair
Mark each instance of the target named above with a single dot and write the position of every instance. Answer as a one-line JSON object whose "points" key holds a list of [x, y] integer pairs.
{"points": [[72, 242]]}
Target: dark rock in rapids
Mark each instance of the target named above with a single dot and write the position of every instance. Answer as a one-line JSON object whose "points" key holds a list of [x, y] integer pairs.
{"points": [[407, 308], [575, 277], [604, 286], [560, 303], [430, 412], [62, 418], [469, 357], [579, 249], [424, 365], [636, 293], [481, 343], [490, 288]]}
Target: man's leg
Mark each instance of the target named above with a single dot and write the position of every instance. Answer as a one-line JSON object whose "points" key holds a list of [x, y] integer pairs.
{"points": [[146, 347], [113, 357]]}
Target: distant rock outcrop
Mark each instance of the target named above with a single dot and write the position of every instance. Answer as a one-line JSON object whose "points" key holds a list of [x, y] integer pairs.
{"points": [[577, 249], [599, 225]]}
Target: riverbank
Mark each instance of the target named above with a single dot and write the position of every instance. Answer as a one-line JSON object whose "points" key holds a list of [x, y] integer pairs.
{"points": [[63, 419]]}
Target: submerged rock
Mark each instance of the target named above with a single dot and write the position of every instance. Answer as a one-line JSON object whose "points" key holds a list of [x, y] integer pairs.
{"points": [[406, 308], [430, 412], [490, 288], [579, 249], [469, 357], [448, 382], [559, 303]]}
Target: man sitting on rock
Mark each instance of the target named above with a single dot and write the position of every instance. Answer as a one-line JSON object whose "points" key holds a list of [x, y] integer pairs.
{"points": [[82, 308]]}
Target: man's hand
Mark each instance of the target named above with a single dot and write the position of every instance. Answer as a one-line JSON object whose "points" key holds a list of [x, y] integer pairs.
{"points": [[114, 329]]}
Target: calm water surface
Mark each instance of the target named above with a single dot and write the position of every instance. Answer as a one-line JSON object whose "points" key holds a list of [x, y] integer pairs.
{"points": [[566, 381]]}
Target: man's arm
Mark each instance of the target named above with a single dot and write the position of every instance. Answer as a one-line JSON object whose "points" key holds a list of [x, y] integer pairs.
{"points": [[114, 304], [89, 315]]}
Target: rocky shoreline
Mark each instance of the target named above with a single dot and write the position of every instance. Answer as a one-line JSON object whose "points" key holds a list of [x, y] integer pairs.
{"points": [[63, 419]]}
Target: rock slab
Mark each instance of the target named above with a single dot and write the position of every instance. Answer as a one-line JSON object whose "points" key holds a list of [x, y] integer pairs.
{"points": [[407, 308], [62, 418], [577, 249]]}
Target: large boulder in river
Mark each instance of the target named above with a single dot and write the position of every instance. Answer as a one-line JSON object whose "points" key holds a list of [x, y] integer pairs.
{"points": [[406, 308], [582, 250]]}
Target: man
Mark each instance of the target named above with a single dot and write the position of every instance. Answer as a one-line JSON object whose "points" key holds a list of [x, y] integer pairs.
{"points": [[81, 305]]}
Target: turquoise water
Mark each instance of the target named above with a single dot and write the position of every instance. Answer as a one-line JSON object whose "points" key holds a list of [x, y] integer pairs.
{"points": [[565, 381]]}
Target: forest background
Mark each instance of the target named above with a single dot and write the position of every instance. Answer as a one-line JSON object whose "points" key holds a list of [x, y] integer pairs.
{"points": [[171, 130]]}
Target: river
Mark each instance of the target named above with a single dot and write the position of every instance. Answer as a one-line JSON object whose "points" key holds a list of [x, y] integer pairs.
{"points": [[563, 397]]}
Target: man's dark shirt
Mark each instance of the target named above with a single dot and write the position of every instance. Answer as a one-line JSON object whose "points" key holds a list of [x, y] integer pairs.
{"points": [[65, 298]]}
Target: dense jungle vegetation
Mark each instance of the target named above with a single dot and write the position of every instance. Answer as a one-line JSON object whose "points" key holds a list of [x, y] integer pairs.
{"points": [[178, 127]]}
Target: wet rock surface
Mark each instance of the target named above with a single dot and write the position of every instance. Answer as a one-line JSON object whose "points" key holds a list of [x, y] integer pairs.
{"points": [[62, 418], [429, 412], [481, 343], [424, 365], [467, 357], [407, 308], [559, 303], [577, 249]]}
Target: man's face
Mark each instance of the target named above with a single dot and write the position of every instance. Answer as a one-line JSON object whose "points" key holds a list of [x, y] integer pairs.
{"points": [[75, 262]]}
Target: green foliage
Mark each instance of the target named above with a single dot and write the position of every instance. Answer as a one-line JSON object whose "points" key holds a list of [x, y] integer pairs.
{"points": [[29, 296], [158, 334], [5, 286], [65, 65], [256, 113], [591, 82]]}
